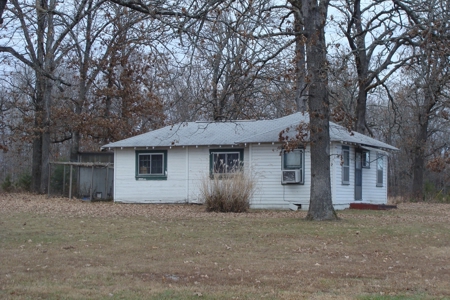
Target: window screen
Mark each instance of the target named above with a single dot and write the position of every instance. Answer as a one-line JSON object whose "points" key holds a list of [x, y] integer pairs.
{"points": [[151, 164]]}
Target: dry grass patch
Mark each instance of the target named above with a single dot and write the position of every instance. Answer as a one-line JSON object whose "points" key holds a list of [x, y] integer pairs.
{"points": [[69, 249]]}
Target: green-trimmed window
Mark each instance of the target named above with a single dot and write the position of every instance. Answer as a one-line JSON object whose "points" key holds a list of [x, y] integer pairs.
{"points": [[151, 164], [225, 161]]}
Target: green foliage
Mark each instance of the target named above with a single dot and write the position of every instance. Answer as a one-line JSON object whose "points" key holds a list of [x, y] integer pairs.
{"points": [[231, 193], [7, 184], [432, 194], [59, 178], [24, 182], [429, 188]]}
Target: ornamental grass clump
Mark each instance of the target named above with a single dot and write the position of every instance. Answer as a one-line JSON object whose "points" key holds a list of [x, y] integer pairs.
{"points": [[227, 192]]}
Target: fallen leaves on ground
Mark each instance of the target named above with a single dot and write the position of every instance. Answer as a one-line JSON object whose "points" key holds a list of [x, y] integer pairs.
{"points": [[42, 204]]}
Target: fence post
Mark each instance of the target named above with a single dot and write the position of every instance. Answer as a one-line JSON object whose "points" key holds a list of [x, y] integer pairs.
{"points": [[64, 181], [70, 182], [92, 182], [49, 178]]}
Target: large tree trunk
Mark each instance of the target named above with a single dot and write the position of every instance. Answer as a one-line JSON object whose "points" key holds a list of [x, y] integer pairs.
{"points": [[39, 114], [49, 66], [419, 147], [36, 162], [2, 8], [300, 65], [358, 46], [46, 141], [321, 206], [76, 136], [361, 107], [418, 166], [75, 145]]}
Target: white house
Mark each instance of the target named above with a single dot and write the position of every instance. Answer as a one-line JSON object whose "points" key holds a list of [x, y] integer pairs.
{"points": [[166, 165]]}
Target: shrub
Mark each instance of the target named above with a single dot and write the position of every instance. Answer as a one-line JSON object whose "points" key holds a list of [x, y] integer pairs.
{"points": [[60, 177], [7, 184], [24, 182], [227, 193], [433, 194]]}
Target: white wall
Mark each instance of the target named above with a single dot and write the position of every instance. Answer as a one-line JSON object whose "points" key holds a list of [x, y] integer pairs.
{"points": [[371, 192], [343, 195], [270, 193], [128, 189], [186, 166], [185, 169]]}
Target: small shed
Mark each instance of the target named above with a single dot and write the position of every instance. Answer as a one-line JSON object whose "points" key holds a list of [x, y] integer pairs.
{"points": [[90, 178], [96, 173]]}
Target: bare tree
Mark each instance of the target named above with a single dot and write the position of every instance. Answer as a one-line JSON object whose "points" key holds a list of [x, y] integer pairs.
{"points": [[429, 69], [375, 36], [315, 16], [233, 68], [42, 29], [312, 16], [98, 41]]}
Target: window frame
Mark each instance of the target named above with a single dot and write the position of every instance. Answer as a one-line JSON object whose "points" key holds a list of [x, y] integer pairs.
{"points": [[301, 168], [222, 151], [380, 157], [345, 150], [162, 176], [365, 160]]}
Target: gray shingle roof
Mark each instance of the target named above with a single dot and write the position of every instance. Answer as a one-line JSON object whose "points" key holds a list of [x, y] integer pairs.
{"points": [[236, 132]]}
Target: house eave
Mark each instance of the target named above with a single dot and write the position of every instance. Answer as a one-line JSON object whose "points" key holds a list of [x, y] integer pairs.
{"points": [[369, 147], [106, 147]]}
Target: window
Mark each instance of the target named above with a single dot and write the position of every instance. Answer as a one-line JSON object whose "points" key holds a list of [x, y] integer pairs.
{"points": [[226, 161], [292, 163], [345, 165], [380, 166], [151, 165], [366, 159]]}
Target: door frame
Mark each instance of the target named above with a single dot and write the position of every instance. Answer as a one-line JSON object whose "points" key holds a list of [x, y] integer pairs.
{"points": [[358, 174]]}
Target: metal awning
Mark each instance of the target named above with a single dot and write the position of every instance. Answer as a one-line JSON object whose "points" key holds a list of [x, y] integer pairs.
{"points": [[376, 149]]}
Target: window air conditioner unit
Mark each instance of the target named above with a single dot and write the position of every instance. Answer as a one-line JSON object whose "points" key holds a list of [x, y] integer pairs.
{"points": [[290, 176]]}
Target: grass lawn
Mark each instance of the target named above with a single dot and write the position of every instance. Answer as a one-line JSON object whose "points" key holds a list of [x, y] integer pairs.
{"points": [[68, 249]]}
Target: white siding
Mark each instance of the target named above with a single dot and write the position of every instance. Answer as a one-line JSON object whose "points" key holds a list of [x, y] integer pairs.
{"points": [[187, 166], [343, 194], [185, 169], [270, 193], [128, 189], [372, 193], [198, 169]]}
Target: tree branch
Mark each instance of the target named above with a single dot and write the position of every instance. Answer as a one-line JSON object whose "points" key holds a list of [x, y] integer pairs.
{"points": [[32, 65]]}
